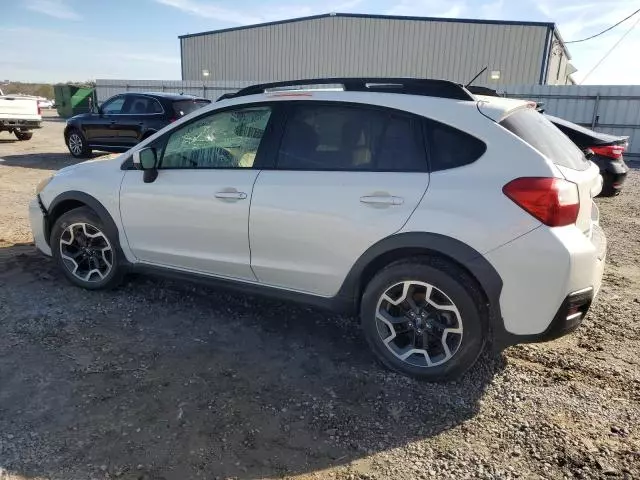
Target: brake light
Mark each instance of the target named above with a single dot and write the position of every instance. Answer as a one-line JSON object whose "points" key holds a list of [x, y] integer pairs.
{"points": [[610, 151], [553, 201]]}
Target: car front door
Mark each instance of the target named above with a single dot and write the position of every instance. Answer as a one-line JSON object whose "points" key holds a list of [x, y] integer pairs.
{"points": [[345, 178], [99, 129], [195, 215]]}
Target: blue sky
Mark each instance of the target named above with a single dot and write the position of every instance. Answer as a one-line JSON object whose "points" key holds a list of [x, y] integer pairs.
{"points": [[59, 40]]}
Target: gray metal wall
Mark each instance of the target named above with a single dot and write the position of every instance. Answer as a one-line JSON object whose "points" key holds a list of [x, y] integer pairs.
{"points": [[352, 46], [610, 108]]}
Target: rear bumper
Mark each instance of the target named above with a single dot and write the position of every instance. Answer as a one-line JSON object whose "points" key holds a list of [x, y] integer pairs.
{"points": [[8, 123], [38, 219], [550, 277]]}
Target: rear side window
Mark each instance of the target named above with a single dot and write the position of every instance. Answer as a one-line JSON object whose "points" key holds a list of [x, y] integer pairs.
{"points": [[450, 147], [185, 107], [532, 127], [342, 137]]}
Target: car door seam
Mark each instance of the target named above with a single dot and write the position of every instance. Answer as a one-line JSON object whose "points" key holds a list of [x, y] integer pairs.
{"points": [[124, 230], [249, 225]]}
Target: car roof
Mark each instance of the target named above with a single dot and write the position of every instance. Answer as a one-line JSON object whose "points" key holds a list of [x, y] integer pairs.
{"points": [[168, 95]]}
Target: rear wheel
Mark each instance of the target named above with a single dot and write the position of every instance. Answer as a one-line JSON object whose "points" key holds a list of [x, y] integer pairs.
{"points": [[23, 136], [77, 144], [423, 318], [607, 186], [84, 250]]}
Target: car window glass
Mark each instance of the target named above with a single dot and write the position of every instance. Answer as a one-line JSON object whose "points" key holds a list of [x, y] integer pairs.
{"points": [[535, 129], [154, 106], [337, 137], [223, 140], [450, 147], [137, 105], [114, 105]]}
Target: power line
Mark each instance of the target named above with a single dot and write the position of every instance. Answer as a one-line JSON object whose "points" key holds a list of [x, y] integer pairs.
{"points": [[610, 50], [604, 31]]}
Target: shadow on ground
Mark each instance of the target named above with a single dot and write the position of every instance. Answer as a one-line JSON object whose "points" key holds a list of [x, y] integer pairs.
{"points": [[162, 380], [45, 161]]}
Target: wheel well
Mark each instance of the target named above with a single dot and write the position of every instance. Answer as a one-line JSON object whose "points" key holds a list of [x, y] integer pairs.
{"points": [[68, 130], [391, 256], [59, 210]]}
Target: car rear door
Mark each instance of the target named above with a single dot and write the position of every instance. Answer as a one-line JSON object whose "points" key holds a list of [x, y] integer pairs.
{"points": [[140, 114], [195, 215], [345, 177]]}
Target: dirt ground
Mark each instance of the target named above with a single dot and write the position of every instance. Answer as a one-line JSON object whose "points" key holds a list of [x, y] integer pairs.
{"points": [[160, 380]]}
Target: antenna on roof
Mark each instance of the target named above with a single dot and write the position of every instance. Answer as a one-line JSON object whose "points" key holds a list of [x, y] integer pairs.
{"points": [[477, 75]]}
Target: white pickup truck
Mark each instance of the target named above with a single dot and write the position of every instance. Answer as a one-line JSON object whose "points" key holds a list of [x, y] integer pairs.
{"points": [[19, 115]]}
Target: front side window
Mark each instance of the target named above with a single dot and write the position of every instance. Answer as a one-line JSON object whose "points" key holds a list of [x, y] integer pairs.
{"points": [[342, 137], [113, 105], [227, 139]]}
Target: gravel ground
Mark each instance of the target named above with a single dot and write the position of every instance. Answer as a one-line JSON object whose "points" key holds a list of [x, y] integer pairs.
{"points": [[161, 380]]}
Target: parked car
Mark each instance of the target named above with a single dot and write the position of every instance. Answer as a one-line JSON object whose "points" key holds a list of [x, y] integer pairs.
{"points": [[124, 120], [602, 149], [444, 220], [20, 115], [45, 103]]}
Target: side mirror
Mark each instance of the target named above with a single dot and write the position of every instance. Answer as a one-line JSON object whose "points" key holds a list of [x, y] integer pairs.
{"points": [[146, 160]]}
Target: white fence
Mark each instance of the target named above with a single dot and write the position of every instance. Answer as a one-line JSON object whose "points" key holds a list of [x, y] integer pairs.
{"points": [[210, 90], [609, 108]]}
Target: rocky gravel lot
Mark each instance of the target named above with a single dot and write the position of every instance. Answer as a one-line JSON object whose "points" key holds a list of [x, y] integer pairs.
{"points": [[162, 380]]}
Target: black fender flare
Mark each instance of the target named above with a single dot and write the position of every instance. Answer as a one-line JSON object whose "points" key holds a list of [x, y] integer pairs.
{"points": [[81, 197], [417, 243]]}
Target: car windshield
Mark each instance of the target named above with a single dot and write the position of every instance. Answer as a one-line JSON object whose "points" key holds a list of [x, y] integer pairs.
{"points": [[532, 127], [185, 107]]}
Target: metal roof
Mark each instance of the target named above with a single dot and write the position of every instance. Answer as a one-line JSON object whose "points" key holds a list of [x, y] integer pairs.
{"points": [[383, 17]]}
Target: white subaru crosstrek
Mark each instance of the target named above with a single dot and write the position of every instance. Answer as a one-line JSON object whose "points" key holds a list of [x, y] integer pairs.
{"points": [[445, 220]]}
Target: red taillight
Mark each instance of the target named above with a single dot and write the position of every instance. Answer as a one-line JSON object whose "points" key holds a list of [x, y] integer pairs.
{"points": [[553, 201], [610, 151], [39, 110]]}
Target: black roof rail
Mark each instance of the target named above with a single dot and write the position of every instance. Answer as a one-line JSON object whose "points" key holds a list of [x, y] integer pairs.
{"points": [[408, 86]]}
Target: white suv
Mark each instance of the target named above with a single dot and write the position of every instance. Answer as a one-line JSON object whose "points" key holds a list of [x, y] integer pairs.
{"points": [[446, 220]]}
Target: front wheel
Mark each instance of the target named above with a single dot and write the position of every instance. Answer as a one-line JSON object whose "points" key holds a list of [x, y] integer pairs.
{"points": [[23, 136], [84, 250], [77, 144], [423, 318]]}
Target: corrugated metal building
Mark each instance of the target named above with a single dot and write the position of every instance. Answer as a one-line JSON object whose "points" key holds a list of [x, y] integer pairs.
{"points": [[380, 46]]}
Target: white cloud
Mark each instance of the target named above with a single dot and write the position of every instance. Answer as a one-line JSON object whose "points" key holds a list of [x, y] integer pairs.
{"points": [[428, 8], [267, 13], [53, 8]]}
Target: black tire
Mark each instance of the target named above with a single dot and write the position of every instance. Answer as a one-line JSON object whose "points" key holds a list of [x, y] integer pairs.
{"points": [[88, 216], [23, 136], [607, 186], [77, 144], [461, 289]]}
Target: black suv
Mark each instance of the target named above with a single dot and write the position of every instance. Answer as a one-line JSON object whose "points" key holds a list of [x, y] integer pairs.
{"points": [[126, 119]]}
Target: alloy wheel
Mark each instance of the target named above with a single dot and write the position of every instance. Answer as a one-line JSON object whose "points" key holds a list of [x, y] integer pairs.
{"points": [[75, 144], [86, 252], [419, 323]]}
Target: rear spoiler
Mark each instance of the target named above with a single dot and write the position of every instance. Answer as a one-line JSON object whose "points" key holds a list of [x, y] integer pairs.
{"points": [[489, 92]]}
